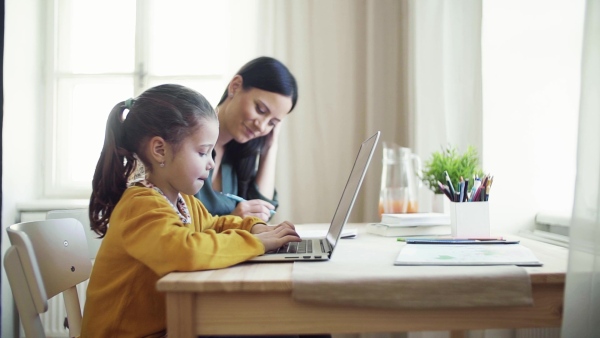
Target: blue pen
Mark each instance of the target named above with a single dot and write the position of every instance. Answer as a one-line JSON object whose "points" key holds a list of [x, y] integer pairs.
{"points": [[239, 199]]}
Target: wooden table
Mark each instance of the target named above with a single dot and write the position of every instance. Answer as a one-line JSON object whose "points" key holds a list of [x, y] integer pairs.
{"points": [[256, 299]]}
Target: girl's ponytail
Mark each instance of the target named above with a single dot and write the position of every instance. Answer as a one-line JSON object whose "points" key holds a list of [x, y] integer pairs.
{"points": [[113, 169]]}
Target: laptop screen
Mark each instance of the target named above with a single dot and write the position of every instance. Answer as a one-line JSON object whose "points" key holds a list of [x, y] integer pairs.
{"points": [[342, 212]]}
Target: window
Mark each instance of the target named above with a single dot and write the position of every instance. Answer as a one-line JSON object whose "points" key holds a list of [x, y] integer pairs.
{"points": [[104, 52], [531, 86]]}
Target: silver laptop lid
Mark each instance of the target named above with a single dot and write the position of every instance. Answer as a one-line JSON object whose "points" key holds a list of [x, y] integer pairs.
{"points": [[342, 212]]}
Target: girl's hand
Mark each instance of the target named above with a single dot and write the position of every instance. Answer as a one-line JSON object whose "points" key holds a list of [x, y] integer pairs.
{"points": [[277, 236], [257, 208], [261, 227]]}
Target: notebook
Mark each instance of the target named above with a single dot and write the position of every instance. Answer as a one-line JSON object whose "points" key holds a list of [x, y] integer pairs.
{"points": [[322, 248]]}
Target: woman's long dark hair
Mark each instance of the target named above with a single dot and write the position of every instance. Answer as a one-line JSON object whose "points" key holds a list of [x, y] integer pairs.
{"points": [[269, 74], [170, 111]]}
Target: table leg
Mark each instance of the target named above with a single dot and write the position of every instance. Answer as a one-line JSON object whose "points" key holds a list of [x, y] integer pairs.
{"points": [[180, 315], [458, 334]]}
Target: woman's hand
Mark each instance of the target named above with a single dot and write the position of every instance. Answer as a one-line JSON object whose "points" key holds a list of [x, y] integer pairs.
{"points": [[257, 208], [273, 237], [272, 138]]}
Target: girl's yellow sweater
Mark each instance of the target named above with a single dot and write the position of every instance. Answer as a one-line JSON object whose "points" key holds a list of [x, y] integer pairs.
{"points": [[146, 240]]}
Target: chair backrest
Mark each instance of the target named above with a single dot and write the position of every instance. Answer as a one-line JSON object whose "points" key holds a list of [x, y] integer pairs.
{"points": [[47, 258], [82, 216]]}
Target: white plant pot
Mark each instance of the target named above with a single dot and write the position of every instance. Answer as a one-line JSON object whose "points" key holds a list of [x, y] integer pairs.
{"points": [[440, 203]]}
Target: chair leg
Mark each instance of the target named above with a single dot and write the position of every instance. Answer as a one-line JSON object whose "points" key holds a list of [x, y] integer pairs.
{"points": [[73, 308], [30, 318]]}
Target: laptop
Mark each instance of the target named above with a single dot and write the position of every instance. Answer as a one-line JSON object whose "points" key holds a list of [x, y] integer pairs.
{"points": [[321, 249]]}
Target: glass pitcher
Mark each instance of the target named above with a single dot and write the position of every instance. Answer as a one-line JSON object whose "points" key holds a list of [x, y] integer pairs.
{"points": [[399, 181]]}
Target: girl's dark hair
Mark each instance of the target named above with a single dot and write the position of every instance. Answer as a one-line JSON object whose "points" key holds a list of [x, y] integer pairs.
{"points": [[170, 111], [269, 74]]}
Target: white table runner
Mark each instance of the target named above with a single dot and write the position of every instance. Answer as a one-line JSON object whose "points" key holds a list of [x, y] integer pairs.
{"points": [[361, 273]]}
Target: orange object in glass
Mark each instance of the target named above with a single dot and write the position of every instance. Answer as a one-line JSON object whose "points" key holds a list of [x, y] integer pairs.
{"points": [[399, 181]]}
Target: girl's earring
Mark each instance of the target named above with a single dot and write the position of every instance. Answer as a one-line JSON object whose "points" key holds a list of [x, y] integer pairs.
{"points": [[230, 94], [162, 164]]}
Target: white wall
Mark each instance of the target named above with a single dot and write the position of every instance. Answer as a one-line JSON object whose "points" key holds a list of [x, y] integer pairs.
{"points": [[23, 99]]}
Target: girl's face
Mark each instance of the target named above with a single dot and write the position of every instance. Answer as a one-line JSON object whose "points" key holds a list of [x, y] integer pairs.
{"points": [[188, 168], [253, 113]]}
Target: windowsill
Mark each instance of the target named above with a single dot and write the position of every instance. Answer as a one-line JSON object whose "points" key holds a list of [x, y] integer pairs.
{"points": [[546, 237], [53, 204], [551, 228], [552, 218]]}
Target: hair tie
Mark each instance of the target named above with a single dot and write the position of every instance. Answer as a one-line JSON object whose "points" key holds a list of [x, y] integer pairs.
{"points": [[129, 103]]}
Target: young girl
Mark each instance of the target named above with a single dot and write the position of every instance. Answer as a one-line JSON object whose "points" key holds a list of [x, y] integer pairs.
{"points": [[154, 226], [255, 102]]}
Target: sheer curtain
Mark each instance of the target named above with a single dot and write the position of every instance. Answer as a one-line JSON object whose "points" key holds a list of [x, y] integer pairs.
{"points": [[582, 291], [446, 53], [408, 68], [347, 60]]}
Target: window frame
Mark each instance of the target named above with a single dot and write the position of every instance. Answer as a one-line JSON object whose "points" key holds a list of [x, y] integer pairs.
{"points": [[56, 183]]}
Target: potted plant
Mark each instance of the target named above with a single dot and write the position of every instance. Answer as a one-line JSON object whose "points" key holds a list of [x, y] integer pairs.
{"points": [[457, 164]]}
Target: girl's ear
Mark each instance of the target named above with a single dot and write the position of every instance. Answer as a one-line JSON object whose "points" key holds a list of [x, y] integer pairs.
{"points": [[158, 149], [235, 85]]}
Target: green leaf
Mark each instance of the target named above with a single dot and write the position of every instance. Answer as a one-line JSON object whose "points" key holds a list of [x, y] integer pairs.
{"points": [[456, 164]]}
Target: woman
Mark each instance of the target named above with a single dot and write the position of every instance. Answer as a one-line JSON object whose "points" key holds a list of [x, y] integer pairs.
{"points": [[250, 114]]}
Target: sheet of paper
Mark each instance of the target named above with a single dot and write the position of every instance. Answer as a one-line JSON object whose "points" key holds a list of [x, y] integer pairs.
{"points": [[468, 254]]}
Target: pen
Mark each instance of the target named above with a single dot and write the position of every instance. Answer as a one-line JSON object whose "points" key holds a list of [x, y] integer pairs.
{"points": [[239, 199], [445, 190], [477, 194], [458, 241], [450, 186], [455, 239], [480, 193], [484, 187], [476, 185], [488, 187]]}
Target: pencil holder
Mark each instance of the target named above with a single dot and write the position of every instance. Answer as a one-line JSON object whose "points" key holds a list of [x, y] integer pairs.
{"points": [[470, 219]]}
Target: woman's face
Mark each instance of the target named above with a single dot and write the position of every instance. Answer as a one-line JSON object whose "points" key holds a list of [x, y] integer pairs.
{"points": [[253, 113]]}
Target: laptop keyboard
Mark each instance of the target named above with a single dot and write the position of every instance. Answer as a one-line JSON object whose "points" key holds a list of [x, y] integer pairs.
{"points": [[296, 247]]}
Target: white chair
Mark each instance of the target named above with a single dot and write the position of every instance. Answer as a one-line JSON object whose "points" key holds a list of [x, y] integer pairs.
{"points": [[47, 258], [82, 216]]}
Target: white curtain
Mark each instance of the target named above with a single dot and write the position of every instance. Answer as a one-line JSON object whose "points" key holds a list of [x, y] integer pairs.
{"points": [[446, 54], [582, 291], [411, 69]]}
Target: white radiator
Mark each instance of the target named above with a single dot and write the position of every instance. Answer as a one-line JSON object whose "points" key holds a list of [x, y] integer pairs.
{"points": [[53, 319]]}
